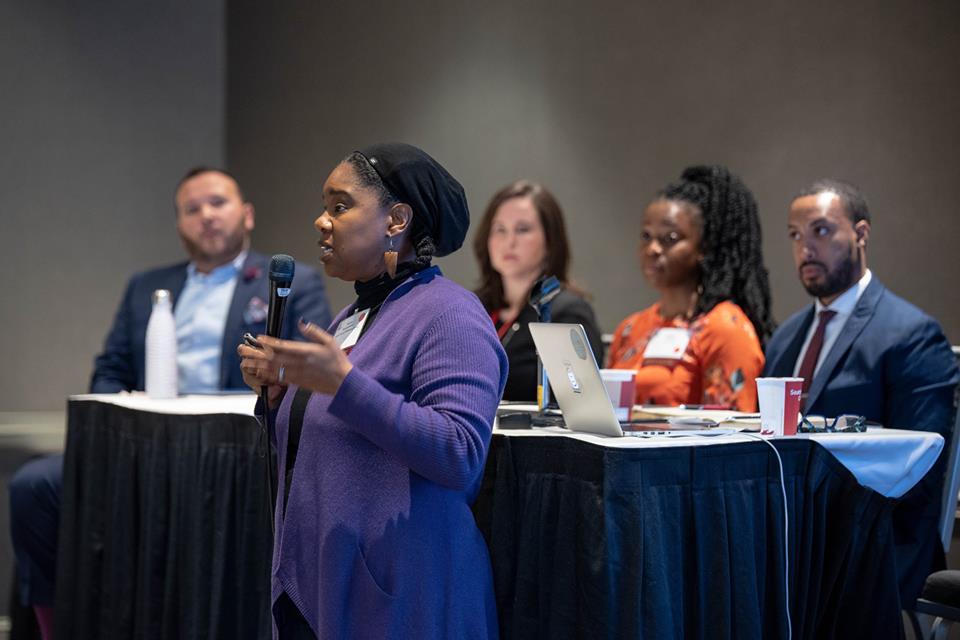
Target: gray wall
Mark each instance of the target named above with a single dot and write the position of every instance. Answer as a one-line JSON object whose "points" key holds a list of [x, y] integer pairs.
{"points": [[605, 102], [104, 105]]}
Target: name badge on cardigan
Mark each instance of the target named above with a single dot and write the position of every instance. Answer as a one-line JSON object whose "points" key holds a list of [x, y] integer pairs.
{"points": [[348, 332], [667, 344]]}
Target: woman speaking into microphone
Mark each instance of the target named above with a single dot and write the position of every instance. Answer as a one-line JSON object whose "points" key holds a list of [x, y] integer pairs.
{"points": [[384, 421]]}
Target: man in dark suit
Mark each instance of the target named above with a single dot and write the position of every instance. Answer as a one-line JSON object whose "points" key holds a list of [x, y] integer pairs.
{"points": [[219, 294], [862, 350]]}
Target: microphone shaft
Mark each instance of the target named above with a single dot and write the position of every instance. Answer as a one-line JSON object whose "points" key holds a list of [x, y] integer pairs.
{"points": [[278, 302]]}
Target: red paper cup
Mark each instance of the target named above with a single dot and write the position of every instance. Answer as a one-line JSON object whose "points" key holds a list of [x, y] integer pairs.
{"points": [[621, 387], [779, 405]]}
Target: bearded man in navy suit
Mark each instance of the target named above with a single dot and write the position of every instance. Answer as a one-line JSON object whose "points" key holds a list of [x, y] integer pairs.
{"points": [[219, 294], [876, 355]]}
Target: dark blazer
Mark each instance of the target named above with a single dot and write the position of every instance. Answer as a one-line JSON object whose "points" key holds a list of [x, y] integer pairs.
{"points": [[121, 366], [522, 353], [892, 364]]}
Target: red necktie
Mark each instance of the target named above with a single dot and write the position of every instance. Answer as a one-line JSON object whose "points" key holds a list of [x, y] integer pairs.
{"points": [[813, 349]]}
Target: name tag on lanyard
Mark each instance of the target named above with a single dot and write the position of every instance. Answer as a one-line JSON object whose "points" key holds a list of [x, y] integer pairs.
{"points": [[348, 332], [667, 344]]}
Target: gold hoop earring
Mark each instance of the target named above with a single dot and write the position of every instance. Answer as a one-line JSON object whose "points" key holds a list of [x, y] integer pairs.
{"points": [[390, 259]]}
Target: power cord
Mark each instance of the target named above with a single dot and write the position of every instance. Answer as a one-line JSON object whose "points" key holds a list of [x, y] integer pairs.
{"points": [[786, 531]]}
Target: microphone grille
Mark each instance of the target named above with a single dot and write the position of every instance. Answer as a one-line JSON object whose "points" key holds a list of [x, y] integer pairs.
{"points": [[281, 268]]}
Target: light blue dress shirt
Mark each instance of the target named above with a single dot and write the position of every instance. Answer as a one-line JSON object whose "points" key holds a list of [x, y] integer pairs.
{"points": [[201, 316]]}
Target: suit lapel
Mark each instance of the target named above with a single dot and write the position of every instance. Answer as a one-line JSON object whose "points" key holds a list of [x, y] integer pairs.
{"points": [[176, 282], [861, 315], [785, 364], [250, 282]]}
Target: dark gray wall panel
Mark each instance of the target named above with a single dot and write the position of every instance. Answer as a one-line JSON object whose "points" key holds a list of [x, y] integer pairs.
{"points": [[104, 105], [605, 102]]}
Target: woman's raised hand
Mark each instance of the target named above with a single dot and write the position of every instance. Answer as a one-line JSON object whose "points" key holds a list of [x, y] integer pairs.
{"points": [[318, 365]]}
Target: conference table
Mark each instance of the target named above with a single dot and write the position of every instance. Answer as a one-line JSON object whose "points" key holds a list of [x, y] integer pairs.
{"points": [[165, 520], [165, 528], [594, 537]]}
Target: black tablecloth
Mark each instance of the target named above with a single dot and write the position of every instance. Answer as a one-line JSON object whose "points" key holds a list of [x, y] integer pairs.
{"points": [[687, 542], [165, 533], [165, 526]]}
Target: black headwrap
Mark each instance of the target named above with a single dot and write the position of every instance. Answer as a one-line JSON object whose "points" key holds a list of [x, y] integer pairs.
{"points": [[437, 199]]}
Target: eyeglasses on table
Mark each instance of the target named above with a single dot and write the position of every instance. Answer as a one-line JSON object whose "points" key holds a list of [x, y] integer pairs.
{"points": [[846, 423]]}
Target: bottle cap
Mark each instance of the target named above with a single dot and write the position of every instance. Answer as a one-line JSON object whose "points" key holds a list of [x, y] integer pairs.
{"points": [[161, 295]]}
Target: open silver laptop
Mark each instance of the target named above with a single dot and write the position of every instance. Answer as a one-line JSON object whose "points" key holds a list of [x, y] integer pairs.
{"points": [[580, 392], [575, 378]]}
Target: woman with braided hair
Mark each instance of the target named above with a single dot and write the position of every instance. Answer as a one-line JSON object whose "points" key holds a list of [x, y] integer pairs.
{"points": [[701, 342]]}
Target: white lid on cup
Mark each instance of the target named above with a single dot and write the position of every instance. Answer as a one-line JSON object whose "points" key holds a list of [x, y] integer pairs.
{"points": [[618, 375], [768, 381]]}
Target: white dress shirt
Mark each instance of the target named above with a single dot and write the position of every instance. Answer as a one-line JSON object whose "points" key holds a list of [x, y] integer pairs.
{"points": [[843, 306]]}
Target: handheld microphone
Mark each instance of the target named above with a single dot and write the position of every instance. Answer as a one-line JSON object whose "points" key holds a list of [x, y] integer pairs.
{"points": [[281, 277]]}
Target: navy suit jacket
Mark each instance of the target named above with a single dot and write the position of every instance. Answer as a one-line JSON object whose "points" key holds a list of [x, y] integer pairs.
{"points": [[892, 364], [121, 365]]}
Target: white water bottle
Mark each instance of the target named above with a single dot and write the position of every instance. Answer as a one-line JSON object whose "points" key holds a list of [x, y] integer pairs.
{"points": [[161, 352]]}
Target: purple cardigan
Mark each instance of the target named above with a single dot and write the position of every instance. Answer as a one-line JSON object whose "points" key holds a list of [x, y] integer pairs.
{"points": [[378, 539]]}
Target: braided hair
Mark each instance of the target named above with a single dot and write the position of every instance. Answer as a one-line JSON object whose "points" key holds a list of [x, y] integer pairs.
{"points": [[732, 267], [423, 245]]}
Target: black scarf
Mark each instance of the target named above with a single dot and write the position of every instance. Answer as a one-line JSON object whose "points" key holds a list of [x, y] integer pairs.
{"points": [[371, 294], [438, 202]]}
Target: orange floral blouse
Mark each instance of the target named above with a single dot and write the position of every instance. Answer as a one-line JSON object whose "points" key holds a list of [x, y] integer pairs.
{"points": [[722, 360]]}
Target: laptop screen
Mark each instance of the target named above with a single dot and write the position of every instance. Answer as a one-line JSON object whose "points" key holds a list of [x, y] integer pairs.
{"points": [[575, 378]]}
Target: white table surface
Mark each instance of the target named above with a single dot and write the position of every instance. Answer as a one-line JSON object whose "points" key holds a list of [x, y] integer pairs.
{"points": [[889, 461], [242, 403]]}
